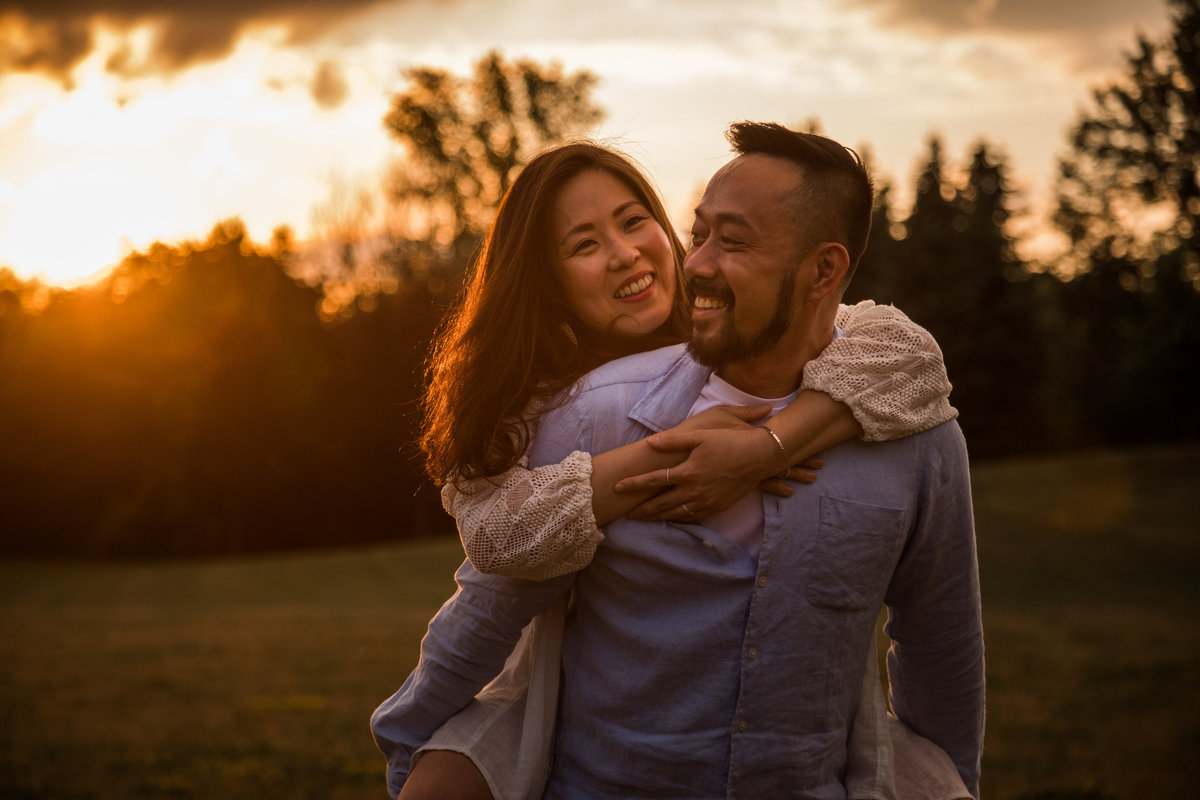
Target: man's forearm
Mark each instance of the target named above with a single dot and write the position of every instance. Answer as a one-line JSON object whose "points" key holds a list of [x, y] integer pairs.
{"points": [[936, 665], [941, 696]]}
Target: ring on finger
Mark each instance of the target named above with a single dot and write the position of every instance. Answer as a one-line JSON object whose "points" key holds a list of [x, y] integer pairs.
{"points": [[687, 510], [669, 477]]}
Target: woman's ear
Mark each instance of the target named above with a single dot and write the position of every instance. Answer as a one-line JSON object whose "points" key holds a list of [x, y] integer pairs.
{"points": [[832, 264]]}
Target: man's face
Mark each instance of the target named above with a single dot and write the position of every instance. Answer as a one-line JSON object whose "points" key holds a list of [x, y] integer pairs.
{"points": [[743, 261]]}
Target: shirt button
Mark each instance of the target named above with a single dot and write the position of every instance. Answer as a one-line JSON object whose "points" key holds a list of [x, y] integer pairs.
{"points": [[742, 726], [762, 582], [753, 652]]}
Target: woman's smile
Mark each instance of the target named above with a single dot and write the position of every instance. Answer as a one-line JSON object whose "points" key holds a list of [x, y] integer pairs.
{"points": [[634, 287]]}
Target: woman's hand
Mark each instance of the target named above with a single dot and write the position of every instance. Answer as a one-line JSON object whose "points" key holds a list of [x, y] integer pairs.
{"points": [[728, 459]]}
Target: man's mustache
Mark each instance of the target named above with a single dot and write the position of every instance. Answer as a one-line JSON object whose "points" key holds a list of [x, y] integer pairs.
{"points": [[710, 288]]}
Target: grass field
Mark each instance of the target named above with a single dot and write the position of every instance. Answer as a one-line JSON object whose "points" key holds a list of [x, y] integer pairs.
{"points": [[255, 678]]}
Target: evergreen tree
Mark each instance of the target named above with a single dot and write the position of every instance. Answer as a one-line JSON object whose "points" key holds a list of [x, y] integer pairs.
{"points": [[927, 286], [1133, 305], [875, 277], [960, 277], [999, 348], [1139, 145]]}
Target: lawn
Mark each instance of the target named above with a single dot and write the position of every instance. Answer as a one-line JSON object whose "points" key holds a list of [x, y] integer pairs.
{"points": [[255, 677]]}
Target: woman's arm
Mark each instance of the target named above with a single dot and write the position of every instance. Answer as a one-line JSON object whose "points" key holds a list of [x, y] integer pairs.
{"points": [[528, 523], [887, 369], [883, 378], [545, 522], [726, 461]]}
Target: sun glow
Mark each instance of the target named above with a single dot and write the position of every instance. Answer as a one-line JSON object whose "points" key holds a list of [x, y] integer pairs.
{"points": [[97, 213], [113, 165]]}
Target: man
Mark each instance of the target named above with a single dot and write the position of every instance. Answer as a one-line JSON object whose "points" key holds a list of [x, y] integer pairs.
{"points": [[724, 658]]}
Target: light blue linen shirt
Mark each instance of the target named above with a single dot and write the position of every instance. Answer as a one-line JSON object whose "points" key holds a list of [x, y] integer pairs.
{"points": [[691, 669]]}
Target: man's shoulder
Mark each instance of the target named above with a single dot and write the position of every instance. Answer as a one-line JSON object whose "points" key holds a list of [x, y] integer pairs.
{"points": [[941, 437], [944, 434], [939, 448], [924, 452]]}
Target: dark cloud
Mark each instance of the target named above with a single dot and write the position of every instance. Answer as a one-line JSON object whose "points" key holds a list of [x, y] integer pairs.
{"points": [[328, 85], [1020, 16], [53, 36], [1087, 35]]}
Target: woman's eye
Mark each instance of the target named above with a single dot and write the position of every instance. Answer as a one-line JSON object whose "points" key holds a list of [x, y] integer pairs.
{"points": [[634, 221], [582, 245]]}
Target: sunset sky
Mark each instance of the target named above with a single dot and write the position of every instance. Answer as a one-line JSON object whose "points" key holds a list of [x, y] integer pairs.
{"points": [[153, 120]]}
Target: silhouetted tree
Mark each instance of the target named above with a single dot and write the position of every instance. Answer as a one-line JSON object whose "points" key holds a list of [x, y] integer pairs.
{"points": [[1137, 146], [466, 138], [193, 402], [998, 352], [876, 276], [930, 285], [955, 271], [1129, 203]]}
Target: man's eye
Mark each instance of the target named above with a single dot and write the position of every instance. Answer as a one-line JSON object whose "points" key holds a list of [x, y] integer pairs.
{"points": [[697, 239]]}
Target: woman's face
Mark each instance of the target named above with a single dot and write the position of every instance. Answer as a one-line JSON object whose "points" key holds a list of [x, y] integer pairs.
{"points": [[612, 259]]}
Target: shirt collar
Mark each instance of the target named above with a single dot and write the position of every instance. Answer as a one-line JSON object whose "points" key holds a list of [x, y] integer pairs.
{"points": [[671, 396]]}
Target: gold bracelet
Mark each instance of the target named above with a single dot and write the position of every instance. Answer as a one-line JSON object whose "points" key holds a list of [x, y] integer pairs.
{"points": [[787, 462]]}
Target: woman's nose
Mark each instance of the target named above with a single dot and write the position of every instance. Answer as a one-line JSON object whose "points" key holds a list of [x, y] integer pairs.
{"points": [[623, 254]]}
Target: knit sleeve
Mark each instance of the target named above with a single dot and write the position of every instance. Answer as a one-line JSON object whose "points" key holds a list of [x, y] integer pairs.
{"points": [[887, 369], [528, 523]]}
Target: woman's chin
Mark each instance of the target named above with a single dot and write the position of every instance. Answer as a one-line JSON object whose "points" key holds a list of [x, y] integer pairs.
{"points": [[639, 326]]}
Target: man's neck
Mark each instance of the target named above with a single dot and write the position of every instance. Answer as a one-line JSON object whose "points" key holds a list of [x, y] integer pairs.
{"points": [[779, 371]]}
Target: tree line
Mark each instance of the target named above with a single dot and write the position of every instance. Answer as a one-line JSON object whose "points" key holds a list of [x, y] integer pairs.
{"points": [[227, 396]]}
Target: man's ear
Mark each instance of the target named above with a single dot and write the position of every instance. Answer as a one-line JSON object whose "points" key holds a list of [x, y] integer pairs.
{"points": [[832, 264]]}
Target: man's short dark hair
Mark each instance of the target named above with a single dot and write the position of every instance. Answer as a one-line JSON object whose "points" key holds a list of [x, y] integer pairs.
{"points": [[836, 198]]}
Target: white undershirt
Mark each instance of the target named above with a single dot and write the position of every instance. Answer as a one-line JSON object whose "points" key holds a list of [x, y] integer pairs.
{"points": [[741, 523]]}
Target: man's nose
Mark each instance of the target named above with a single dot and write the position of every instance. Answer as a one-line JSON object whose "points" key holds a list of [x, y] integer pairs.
{"points": [[698, 262]]}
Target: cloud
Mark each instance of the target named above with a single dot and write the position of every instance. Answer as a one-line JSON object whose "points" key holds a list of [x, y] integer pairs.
{"points": [[1089, 33], [52, 37], [1017, 16], [328, 87]]}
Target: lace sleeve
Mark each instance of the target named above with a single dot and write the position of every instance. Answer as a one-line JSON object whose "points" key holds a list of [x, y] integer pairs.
{"points": [[887, 369], [528, 523]]}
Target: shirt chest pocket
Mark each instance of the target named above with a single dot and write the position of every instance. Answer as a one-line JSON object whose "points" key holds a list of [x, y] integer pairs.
{"points": [[853, 555]]}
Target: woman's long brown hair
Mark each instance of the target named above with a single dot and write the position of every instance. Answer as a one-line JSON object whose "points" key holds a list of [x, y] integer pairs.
{"points": [[511, 336]]}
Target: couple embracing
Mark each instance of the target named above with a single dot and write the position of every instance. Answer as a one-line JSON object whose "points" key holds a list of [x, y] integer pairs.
{"points": [[666, 594]]}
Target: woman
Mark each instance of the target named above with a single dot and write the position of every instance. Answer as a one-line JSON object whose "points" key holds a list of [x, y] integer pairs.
{"points": [[580, 267]]}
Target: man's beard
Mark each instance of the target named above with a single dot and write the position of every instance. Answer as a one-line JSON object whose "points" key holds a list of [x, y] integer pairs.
{"points": [[728, 346]]}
